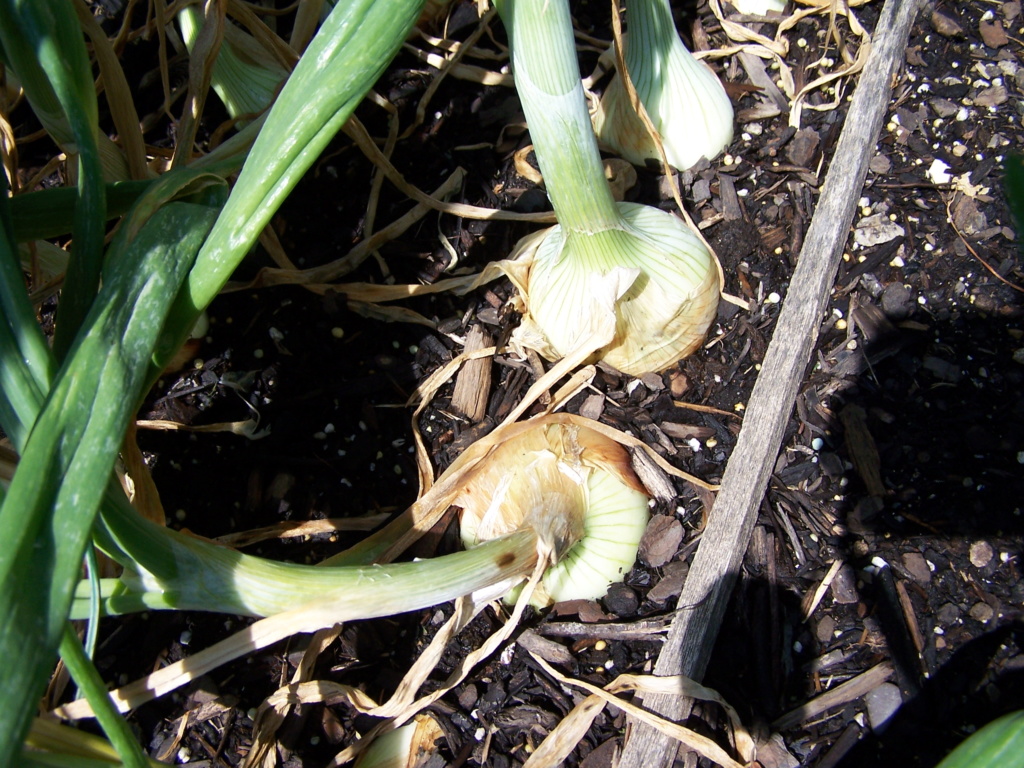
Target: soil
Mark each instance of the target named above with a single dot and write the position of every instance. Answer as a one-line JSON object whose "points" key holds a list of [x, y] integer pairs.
{"points": [[897, 495]]}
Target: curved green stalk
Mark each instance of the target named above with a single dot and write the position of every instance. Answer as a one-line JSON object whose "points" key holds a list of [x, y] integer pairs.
{"points": [[167, 569]]}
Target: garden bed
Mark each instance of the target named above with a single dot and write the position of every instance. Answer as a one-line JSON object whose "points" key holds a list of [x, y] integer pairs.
{"points": [[884, 565]]}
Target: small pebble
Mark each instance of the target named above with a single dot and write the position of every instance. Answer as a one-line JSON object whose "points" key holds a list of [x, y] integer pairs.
{"points": [[468, 697], [882, 703], [981, 612], [981, 554], [825, 628], [948, 614], [917, 566], [897, 301]]}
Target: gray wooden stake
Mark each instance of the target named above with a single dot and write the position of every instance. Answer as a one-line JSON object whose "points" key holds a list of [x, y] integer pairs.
{"points": [[717, 562]]}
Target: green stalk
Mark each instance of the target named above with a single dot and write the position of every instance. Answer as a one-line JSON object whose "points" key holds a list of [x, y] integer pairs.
{"points": [[605, 263], [244, 76], [49, 213], [167, 569], [28, 366], [547, 76]]}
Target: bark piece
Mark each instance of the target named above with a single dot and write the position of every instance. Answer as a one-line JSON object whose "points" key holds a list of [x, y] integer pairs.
{"points": [[862, 449], [661, 540], [993, 34], [473, 384]]}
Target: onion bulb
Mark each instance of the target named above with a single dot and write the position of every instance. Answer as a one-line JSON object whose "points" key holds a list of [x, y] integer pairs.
{"points": [[684, 99], [651, 271], [576, 489]]}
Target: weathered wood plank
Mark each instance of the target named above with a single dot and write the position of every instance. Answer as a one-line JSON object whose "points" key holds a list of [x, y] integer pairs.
{"points": [[717, 561]]}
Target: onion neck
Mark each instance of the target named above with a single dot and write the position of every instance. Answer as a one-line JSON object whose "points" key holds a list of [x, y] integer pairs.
{"points": [[548, 80]]}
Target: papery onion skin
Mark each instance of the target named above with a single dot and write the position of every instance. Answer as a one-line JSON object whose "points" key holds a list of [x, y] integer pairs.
{"points": [[684, 99]]}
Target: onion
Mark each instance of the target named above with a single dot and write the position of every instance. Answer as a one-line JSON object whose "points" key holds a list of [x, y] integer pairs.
{"points": [[684, 99], [639, 263], [576, 489]]}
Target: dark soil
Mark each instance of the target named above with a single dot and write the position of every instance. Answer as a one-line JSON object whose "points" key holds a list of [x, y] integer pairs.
{"points": [[903, 458]]}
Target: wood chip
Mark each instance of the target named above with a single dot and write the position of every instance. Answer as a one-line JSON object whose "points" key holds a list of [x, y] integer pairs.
{"points": [[671, 583], [945, 25], [917, 567], [473, 384], [910, 617], [851, 690], [686, 431], [661, 540], [993, 34], [732, 209], [652, 476], [862, 448], [801, 148], [549, 650]]}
